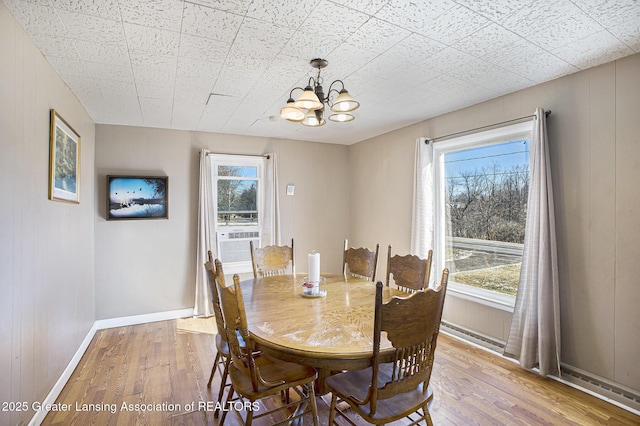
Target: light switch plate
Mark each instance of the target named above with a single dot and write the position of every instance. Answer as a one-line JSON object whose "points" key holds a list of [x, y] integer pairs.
{"points": [[291, 189]]}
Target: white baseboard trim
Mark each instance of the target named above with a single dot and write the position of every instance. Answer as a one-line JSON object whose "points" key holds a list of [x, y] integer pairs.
{"points": [[614, 393], [101, 325], [143, 319], [64, 377]]}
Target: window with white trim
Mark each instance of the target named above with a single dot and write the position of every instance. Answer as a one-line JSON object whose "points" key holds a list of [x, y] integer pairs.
{"points": [[238, 186], [481, 188]]}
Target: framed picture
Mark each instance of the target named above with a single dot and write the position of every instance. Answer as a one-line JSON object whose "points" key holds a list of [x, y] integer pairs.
{"points": [[137, 197], [64, 161]]}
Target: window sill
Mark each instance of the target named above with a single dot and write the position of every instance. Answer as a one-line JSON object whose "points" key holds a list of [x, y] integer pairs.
{"points": [[492, 299]]}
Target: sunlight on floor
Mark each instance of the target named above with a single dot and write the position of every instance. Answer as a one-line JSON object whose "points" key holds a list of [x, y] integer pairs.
{"points": [[197, 325]]}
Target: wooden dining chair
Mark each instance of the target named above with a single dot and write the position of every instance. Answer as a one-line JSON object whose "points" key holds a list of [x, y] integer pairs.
{"points": [[410, 273], [223, 358], [255, 375], [272, 260], [397, 386], [360, 262]]}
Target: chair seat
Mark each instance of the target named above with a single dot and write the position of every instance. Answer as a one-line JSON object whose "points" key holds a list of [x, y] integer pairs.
{"points": [[355, 384], [271, 370], [222, 346]]}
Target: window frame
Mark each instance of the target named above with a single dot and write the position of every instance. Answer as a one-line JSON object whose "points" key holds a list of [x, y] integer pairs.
{"points": [[474, 140], [237, 161]]}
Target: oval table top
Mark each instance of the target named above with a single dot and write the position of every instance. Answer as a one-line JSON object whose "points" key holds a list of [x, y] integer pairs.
{"points": [[334, 332]]}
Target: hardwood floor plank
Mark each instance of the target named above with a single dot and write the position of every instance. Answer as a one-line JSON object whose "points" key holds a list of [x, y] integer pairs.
{"points": [[169, 363]]}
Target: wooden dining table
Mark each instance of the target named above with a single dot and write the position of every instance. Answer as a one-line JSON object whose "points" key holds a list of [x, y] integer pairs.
{"points": [[330, 333]]}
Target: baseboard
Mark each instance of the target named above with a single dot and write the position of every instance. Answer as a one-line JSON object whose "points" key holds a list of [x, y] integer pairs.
{"points": [[64, 377], [470, 336], [601, 388], [614, 393], [143, 319], [101, 325]]}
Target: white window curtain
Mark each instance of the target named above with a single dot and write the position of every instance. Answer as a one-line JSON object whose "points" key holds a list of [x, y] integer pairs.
{"points": [[270, 229], [423, 189], [269, 212], [534, 337], [202, 306]]}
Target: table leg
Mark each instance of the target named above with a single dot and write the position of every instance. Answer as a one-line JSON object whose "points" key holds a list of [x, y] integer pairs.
{"points": [[321, 382]]}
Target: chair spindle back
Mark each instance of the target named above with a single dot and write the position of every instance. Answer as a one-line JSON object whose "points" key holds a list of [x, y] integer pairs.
{"points": [[412, 325], [272, 260], [410, 273], [360, 262]]}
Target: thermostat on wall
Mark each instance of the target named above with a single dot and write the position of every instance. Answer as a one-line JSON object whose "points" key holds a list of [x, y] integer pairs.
{"points": [[291, 189]]}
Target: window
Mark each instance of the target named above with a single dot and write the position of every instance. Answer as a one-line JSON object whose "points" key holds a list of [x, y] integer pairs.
{"points": [[238, 187], [482, 183], [237, 195]]}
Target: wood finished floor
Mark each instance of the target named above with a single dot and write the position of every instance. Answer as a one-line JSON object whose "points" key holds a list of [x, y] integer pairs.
{"points": [[169, 362]]}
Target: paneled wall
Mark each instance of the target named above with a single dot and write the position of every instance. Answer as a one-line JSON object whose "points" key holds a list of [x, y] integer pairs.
{"points": [[46, 247], [149, 266], [594, 132]]}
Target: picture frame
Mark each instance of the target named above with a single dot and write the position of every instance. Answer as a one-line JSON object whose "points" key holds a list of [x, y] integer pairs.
{"points": [[64, 160], [137, 197]]}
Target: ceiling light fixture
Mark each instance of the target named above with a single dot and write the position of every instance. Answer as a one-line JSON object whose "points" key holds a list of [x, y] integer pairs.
{"points": [[308, 109]]}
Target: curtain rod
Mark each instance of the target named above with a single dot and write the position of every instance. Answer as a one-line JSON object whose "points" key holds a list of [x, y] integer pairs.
{"points": [[528, 117], [267, 156]]}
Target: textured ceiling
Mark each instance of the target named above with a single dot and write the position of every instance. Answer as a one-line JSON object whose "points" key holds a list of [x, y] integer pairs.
{"points": [[228, 65]]}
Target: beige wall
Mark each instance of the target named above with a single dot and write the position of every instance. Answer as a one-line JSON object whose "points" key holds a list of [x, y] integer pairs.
{"points": [[149, 266], [594, 132], [623, 279], [46, 247]]}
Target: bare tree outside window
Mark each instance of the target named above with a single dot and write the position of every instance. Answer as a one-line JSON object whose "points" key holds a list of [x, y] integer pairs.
{"points": [[237, 195], [486, 204]]}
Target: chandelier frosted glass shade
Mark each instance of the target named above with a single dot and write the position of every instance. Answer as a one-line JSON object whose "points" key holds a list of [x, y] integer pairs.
{"points": [[314, 119], [309, 108], [291, 113], [341, 117], [308, 100], [344, 103]]}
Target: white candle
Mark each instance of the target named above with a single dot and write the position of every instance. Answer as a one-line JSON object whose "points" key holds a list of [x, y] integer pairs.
{"points": [[314, 267]]}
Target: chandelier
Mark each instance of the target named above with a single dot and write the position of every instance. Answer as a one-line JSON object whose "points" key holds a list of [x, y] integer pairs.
{"points": [[309, 108]]}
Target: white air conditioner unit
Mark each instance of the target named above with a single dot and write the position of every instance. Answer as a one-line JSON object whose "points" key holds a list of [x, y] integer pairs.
{"points": [[233, 245]]}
